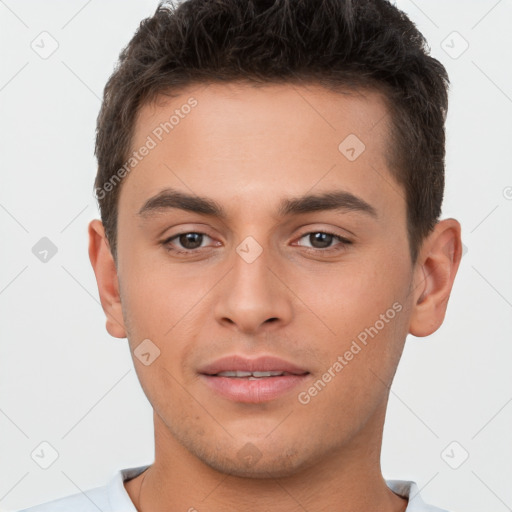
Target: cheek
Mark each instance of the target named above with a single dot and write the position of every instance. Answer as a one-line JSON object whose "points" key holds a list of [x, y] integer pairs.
{"points": [[364, 317], [155, 296], [163, 304], [352, 297]]}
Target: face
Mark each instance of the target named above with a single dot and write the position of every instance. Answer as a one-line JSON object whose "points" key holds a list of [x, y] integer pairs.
{"points": [[251, 265]]}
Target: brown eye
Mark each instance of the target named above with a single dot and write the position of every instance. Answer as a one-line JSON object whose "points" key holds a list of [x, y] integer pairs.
{"points": [[323, 240], [190, 240], [185, 242], [320, 240]]}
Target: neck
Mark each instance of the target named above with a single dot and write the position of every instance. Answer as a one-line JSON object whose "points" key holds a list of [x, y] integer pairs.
{"points": [[345, 479]]}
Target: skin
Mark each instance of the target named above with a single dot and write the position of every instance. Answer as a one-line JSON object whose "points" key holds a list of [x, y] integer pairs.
{"points": [[248, 148]]}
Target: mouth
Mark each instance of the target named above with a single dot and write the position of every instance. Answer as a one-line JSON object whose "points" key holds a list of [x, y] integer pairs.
{"points": [[245, 380], [253, 388], [239, 374]]}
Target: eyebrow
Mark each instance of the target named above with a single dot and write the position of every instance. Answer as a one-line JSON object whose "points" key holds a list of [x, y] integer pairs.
{"points": [[338, 200]]}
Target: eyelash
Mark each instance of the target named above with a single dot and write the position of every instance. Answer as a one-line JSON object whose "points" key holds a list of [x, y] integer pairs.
{"points": [[343, 242]]}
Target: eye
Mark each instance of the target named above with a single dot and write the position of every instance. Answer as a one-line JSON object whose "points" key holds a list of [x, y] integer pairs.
{"points": [[188, 241], [321, 240], [191, 241]]}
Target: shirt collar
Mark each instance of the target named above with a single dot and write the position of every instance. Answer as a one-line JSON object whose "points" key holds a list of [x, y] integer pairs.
{"points": [[120, 500]]}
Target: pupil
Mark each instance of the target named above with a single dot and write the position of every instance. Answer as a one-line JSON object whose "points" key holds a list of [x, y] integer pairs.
{"points": [[191, 240], [324, 240]]}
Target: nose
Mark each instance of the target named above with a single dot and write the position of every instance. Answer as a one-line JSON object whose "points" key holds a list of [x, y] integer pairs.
{"points": [[253, 296]]}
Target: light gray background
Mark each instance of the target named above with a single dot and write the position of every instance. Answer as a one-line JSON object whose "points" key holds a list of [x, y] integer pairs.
{"points": [[65, 381]]}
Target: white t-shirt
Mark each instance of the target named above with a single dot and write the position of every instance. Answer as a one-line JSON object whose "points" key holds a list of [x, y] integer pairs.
{"points": [[114, 498]]}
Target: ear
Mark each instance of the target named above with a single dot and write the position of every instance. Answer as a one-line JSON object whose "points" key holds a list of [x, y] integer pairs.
{"points": [[106, 276], [434, 274]]}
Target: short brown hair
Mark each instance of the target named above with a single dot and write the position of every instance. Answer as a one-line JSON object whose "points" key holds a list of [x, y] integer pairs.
{"points": [[335, 43]]}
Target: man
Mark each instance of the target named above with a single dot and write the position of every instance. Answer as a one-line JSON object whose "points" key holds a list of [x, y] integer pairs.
{"points": [[270, 179]]}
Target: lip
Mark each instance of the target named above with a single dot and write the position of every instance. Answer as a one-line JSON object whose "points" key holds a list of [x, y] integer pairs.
{"points": [[259, 364], [252, 391]]}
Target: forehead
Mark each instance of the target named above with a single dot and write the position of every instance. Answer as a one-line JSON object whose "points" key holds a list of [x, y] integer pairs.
{"points": [[245, 110], [234, 139]]}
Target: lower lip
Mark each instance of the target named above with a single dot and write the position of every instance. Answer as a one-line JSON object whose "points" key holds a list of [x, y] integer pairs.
{"points": [[253, 391]]}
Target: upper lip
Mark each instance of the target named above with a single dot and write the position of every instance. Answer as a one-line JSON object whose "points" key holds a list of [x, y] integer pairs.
{"points": [[259, 364]]}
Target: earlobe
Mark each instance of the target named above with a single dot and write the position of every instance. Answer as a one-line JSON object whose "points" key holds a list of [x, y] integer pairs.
{"points": [[435, 272], [106, 277]]}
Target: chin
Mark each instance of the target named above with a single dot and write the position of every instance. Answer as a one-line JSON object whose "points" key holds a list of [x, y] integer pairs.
{"points": [[264, 468], [258, 460]]}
